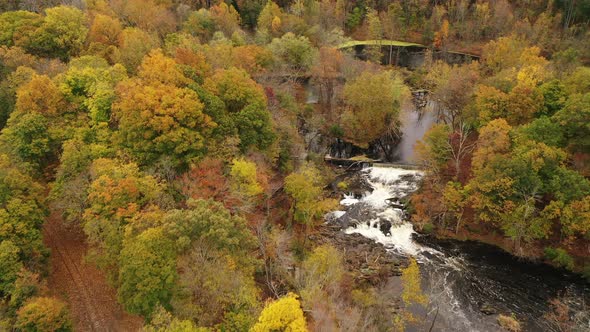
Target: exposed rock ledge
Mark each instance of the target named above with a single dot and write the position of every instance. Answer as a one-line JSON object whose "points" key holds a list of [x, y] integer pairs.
{"points": [[368, 262]]}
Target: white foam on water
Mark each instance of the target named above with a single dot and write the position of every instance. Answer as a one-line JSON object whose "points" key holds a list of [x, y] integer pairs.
{"points": [[378, 197], [338, 214], [400, 238], [388, 183], [388, 174], [348, 200]]}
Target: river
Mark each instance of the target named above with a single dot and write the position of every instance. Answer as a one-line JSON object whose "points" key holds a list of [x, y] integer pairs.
{"points": [[460, 278]]}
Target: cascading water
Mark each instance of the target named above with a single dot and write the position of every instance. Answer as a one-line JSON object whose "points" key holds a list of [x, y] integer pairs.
{"points": [[462, 279]]}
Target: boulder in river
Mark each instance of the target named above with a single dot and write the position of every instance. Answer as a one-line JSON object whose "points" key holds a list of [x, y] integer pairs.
{"points": [[487, 309]]}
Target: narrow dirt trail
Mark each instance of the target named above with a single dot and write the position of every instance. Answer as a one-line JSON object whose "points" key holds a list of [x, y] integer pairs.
{"points": [[92, 302]]}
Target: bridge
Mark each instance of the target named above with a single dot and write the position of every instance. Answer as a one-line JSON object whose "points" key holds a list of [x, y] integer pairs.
{"points": [[406, 54], [383, 42]]}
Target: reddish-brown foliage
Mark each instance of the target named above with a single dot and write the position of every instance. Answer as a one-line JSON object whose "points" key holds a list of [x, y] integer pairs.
{"points": [[206, 180]]}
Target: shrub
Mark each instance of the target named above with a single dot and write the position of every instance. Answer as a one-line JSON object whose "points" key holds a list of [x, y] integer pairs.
{"points": [[44, 314], [559, 257], [336, 131], [509, 323], [428, 228]]}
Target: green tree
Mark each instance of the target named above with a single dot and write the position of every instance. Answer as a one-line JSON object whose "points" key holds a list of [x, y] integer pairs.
{"points": [[577, 82], [134, 44], [554, 97], [72, 179], [567, 185], [90, 83], [270, 18], [200, 24], [22, 212], [369, 116], [26, 286], [249, 11], [117, 193], [236, 89], [28, 138], [574, 119], [147, 272], [434, 151], [511, 177], [255, 128], [217, 280], [522, 222], [305, 187], [44, 314], [243, 109], [10, 265], [211, 224], [293, 53], [490, 103], [62, 33], [17, 27], [163, 321], [284, 314], [544, 130]]}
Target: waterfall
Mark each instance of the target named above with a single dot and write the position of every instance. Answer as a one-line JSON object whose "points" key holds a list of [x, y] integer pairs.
{"points": [[462, 279], [389, 184]]}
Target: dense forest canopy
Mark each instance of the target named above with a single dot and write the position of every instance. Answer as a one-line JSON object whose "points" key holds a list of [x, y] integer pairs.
{"points": [[179, 138]]}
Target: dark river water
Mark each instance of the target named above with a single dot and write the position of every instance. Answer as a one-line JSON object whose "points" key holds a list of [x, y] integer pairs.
{"points": [[461, 279]]}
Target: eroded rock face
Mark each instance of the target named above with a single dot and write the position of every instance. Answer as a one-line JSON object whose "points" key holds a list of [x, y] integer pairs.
{"points": [[353, 216]]}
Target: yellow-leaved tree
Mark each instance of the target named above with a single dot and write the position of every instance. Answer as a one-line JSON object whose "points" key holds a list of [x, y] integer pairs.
{"points": [[244, 178], [305, 187], [284, 314], [412, 294]]}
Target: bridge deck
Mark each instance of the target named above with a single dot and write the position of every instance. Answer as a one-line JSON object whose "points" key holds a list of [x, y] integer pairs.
{"points": [[396, 43]]}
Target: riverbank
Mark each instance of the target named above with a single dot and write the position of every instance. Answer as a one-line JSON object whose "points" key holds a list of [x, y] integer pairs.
{"points": [[534, 251]]}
